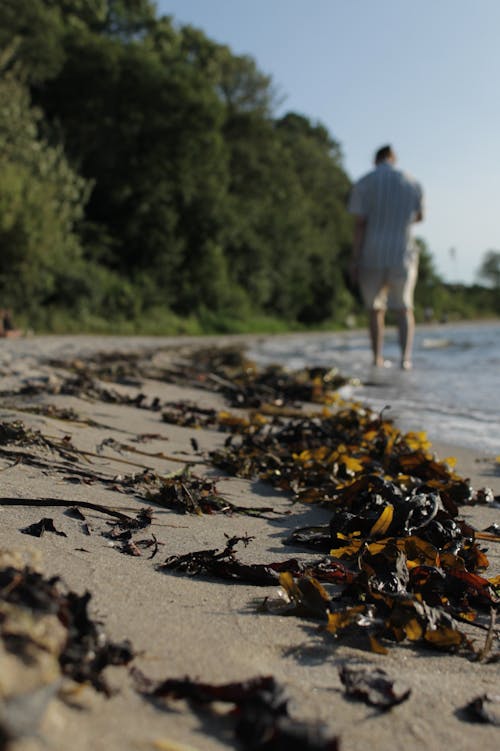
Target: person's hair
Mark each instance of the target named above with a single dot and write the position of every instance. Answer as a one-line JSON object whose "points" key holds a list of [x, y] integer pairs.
{"points": [[383, 153]]}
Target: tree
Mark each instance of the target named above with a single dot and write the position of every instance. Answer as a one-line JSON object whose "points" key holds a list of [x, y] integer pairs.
{"points": [[428, 275], [35, 28], [489, 270], [200, 201], [327, 232], [41, 203]]}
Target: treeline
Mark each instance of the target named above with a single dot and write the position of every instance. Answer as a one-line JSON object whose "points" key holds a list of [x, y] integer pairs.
{"points": [[438, 301], [147, 185], [147, 177]]}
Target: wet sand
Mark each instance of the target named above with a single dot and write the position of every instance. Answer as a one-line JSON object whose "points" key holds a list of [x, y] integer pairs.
{"points": [[207, 630]]}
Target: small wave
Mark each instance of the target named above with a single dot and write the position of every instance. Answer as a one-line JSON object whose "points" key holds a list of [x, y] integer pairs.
{"points": [[435, 343]]}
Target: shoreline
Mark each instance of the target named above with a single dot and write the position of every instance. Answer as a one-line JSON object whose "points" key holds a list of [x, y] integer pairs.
{"points": [[199, 627]]}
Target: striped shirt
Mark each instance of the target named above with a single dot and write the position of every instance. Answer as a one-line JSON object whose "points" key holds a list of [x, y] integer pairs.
{"points": [[390, 200]]}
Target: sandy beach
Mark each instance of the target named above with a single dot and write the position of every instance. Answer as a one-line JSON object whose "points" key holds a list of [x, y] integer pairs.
{"points": [[198, 627]]}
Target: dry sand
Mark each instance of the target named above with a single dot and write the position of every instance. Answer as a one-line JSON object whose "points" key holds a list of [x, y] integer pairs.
{"points": [[182, 626]]}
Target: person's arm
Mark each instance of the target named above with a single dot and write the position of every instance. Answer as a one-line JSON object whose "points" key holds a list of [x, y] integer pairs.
{"points": [[419, 210], [357, 245]]}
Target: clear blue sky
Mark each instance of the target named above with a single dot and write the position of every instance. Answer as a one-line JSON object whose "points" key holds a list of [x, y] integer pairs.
{"points": [[423, 75]]}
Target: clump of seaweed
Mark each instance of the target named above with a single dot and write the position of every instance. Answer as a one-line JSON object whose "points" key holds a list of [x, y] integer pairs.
{"points": [[187, 493], [17, 434], [122, 532], [189, 415], [228, 371], [259, 709], [484, 709], [224, 564], [373, 686], [225, 370], [115, 366], [54, 412], [413, 567], [39, 528], [38, 615]]}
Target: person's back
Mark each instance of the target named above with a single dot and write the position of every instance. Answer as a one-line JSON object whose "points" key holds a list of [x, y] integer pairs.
{"points": [[390, 201]]}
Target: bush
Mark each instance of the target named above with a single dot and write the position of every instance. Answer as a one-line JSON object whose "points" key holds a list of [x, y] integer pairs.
{"points": [[41, 202]]}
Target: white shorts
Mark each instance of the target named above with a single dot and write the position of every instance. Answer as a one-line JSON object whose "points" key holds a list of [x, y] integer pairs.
{"points": [[393, 288]]}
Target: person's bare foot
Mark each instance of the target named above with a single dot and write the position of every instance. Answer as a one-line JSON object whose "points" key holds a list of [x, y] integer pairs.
{"points": [[406, 365]]}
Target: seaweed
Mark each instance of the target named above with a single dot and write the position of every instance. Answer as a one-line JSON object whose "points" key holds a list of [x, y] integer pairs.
{"points": [[373, 686], [223, 564], [85, 386], [143, 519], [88, 651], [400, 563], [410, 568], [484, 709], [189, 494], [189, 415], [52, 411], [127, 368], [16, 433], [402, 593], [74, 513], [259, 709], [39, 528], [85, 651], [120, 447], [122, 532], [415, 565]]}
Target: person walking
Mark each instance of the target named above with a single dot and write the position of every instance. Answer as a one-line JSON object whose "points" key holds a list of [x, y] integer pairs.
{"points": [[385, 203]]}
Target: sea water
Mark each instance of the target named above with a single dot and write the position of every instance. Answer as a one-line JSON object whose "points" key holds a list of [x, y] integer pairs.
{"points": [[452, 393]]}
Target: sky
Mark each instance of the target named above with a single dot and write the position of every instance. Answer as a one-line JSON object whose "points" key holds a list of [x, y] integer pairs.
{"points": [[421, 75]]}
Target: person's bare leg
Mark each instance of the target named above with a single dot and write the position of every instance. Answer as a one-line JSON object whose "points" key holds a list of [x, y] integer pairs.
{"points": [[406, 321], [377, 326]]}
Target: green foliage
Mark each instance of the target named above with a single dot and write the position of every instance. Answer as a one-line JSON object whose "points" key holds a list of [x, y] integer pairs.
{"points": [[324, 188], [489, 270], [429, 300], [242, 86], [439, 301], [147, 184], [154, 153], [41, 201], [34, 28]]}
